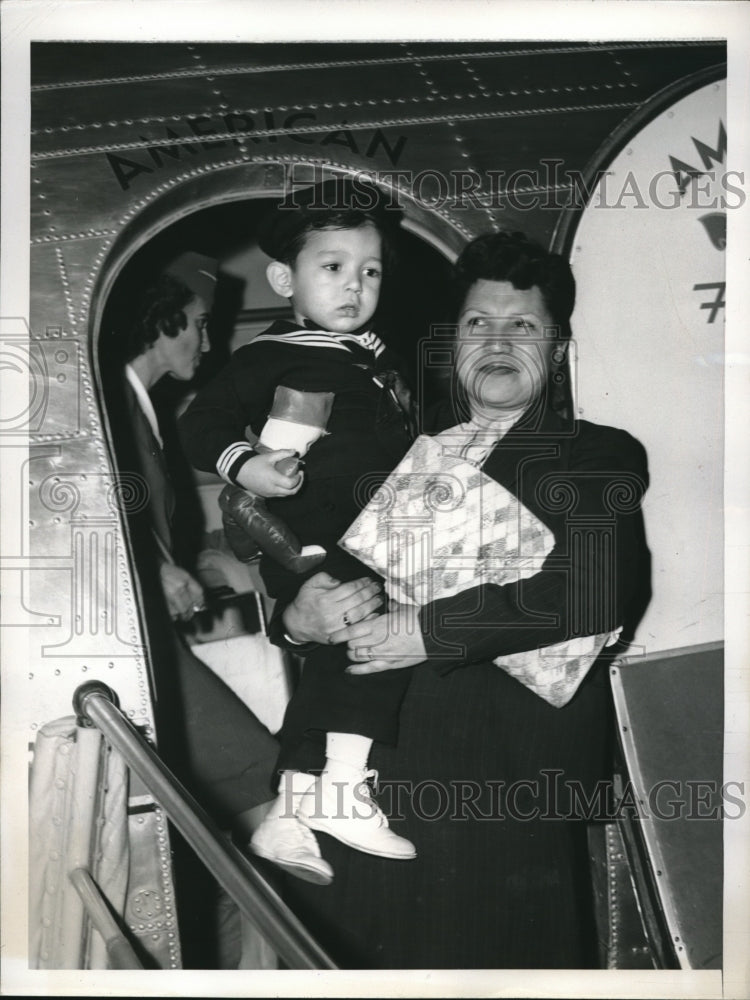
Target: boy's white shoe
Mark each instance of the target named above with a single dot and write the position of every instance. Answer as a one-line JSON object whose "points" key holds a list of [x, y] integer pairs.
{"points": [[340, 803], [282, 839]]}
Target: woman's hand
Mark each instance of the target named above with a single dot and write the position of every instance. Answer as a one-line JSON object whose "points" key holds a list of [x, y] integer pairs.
{"points": [[324, 608], [260, 476], [184, 594], [390, 642]]}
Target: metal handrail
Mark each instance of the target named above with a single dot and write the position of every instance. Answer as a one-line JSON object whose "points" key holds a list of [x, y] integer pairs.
{"points": [[119, 950], [262, 906]]}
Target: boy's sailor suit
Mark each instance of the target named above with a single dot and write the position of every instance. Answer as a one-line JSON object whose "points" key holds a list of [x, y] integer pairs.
{"points": [[369, 430]]}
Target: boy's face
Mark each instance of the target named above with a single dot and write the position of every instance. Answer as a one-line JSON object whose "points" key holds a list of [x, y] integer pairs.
{"points": [[335, 280]]}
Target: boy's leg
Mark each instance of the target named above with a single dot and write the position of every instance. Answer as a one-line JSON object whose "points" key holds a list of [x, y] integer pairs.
{"points": [[328, 700], [339, 802], [249, 526]]}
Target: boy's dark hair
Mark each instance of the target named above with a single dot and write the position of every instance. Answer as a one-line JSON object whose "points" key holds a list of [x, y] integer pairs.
{"points": [[161, 310], [337, 203], [513, 257], [342, 219]]}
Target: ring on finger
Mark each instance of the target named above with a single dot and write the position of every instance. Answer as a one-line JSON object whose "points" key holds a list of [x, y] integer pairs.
{"points": [[347, 619]]}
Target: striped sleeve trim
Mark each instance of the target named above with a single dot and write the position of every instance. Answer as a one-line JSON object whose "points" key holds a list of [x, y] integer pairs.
{"points": [[232, 459]]}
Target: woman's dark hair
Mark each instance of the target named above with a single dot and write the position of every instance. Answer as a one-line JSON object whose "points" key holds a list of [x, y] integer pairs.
{"points": [[513, 257], [161, 310]]}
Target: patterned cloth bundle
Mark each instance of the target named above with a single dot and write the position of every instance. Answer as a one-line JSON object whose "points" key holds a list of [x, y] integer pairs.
{"points": [[439, 525]]}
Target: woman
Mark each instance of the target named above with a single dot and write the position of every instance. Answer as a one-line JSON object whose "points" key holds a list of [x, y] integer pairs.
{"points": [[215, 744], [492, 779]]}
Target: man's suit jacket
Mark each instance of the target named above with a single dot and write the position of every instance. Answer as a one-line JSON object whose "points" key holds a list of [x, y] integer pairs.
{"points": [[153, 468]]}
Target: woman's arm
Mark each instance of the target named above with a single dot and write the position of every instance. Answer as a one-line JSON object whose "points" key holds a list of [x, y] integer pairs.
{"points": [[583, 588], [586, 582], [389, 642]]}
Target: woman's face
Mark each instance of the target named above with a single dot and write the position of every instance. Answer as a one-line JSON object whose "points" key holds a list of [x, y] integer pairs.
{"points": [[506, 338], [182, 354]]}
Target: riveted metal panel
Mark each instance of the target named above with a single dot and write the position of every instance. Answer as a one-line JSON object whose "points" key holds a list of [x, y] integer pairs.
{"points": [[54, 68], [151, 908], [670, 716], [620, 931]]}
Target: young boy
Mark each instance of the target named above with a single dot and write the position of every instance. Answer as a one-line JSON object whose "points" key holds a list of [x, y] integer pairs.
{"points": [[328, 246]]}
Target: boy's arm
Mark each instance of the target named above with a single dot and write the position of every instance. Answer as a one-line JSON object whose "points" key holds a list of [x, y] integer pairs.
{"points": [[213, 426]]}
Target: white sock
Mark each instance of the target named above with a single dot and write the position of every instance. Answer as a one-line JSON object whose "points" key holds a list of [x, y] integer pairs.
{"points": [[349, 750]]}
